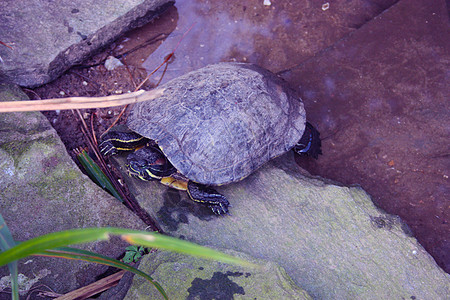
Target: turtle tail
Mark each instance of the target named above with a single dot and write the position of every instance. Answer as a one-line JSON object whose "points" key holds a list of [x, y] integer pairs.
{"points": [[310, 143]]}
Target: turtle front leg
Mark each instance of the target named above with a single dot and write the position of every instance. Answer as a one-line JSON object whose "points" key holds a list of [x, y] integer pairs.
{"points": [[208, 196], [116, 141], [199, 193]]}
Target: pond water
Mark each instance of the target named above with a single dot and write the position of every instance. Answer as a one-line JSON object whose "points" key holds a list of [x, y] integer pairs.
{"points": [[277, 36]]}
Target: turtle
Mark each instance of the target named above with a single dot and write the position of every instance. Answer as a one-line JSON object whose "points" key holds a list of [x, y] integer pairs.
{"points": [[213, 126]]}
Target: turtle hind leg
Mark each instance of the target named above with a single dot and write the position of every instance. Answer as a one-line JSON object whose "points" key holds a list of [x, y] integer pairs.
{"points": [[208, 196], [310, 143]]}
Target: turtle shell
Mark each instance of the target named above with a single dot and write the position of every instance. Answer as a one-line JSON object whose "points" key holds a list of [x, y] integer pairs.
{"points": [[220, 123]]}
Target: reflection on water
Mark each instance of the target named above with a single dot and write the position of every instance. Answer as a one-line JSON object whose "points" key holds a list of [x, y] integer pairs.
{"points": [[215, 35], [276, 36]]}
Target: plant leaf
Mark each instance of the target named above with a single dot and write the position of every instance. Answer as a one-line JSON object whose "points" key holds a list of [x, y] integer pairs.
{"points": [[135, 237], [48, 244], [7, 242], [96, 174]]}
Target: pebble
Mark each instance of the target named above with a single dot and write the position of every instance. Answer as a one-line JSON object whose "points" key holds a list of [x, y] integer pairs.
{"points": [[111, 63]]}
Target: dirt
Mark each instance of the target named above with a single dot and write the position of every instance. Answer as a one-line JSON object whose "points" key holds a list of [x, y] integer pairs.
{"points": [[91, 79]]}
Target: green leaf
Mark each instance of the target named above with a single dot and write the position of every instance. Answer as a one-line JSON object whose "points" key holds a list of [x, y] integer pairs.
{"points": [[154, 240], [50, 244], [53, 240], [133, 253], [7, 242], [129, 257], [135, 237], [97, 175]]}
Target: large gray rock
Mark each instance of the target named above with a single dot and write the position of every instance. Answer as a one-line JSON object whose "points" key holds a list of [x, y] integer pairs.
{"points": [[50, 37], [42, 191], [186, 277], [331, 240]]}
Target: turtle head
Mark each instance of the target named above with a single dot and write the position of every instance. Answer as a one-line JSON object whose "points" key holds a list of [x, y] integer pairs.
{"points": [[149, 163]]}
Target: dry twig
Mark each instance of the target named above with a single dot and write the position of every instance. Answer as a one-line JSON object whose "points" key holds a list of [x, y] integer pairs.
{"points": [[80, 102], [94, 288]]}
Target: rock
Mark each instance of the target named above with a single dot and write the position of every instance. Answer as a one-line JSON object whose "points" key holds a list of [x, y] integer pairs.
{"points": [[186, 277], [111, 63], [331, 240], [71, 32], [43, 191]]}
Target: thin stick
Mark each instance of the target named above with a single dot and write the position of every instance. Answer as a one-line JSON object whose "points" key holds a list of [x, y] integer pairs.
{"points": [[85, 131], [163, 73], [94, 288], [131, 77], [94, 137], [32, 92], [5, 44], [80, 102]]}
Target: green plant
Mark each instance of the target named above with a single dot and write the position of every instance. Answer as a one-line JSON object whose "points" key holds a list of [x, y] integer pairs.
{"points": [[97, 175], [54, 245], [7, 242], [133, 253]]}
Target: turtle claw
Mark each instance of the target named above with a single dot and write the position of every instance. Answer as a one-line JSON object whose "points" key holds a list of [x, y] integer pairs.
{"points": [[208, 196], [107, 148], [219, 209]]}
